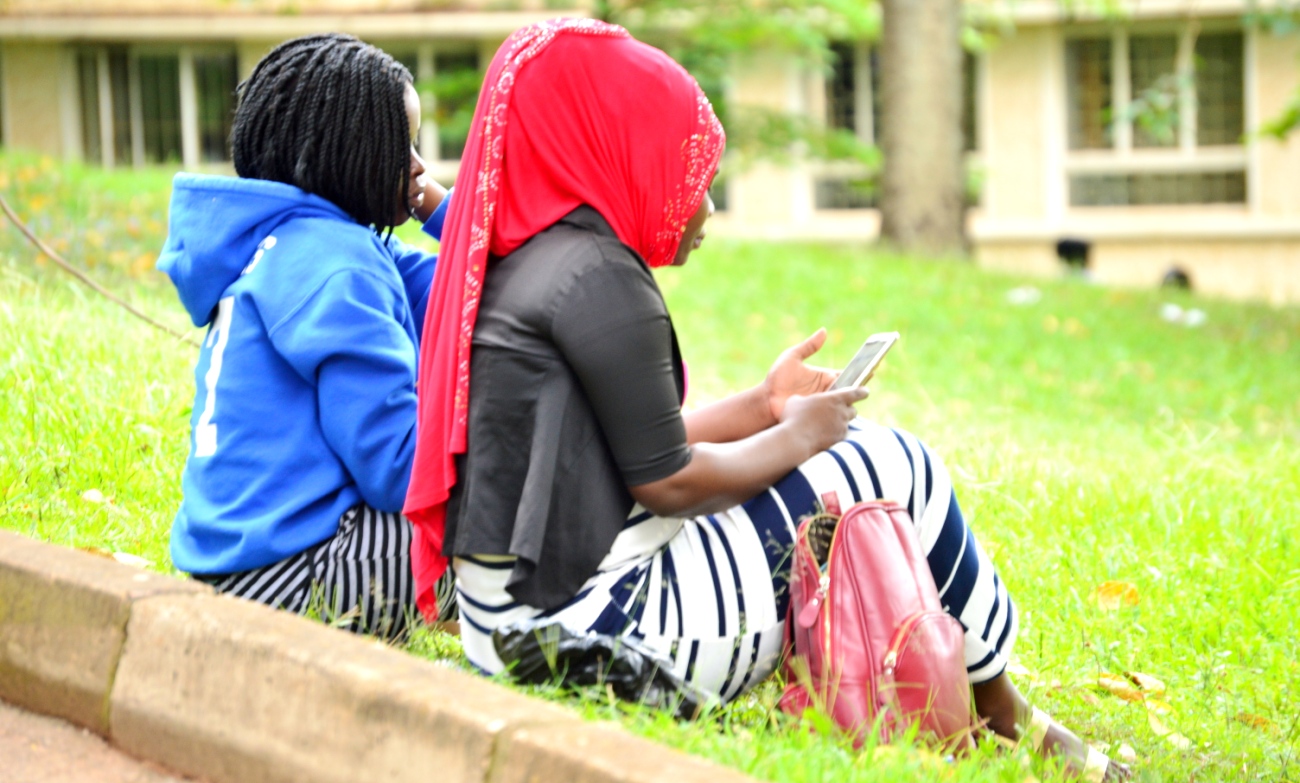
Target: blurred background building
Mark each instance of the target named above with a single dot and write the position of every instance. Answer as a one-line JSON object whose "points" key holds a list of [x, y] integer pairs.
{"points": [[1130, 136]]}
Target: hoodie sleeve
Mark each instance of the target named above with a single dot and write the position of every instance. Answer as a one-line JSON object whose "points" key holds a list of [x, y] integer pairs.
{"points": [[416, 266], [348, 339]]}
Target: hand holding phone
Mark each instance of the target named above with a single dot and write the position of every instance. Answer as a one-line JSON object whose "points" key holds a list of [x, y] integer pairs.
{"points": [[864, 363]]}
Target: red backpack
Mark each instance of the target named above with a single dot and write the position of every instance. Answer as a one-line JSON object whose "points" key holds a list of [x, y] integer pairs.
{"points": [[872, 647]]}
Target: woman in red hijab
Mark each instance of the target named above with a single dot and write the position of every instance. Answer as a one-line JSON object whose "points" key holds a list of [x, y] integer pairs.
{"points": [[554, 463]]}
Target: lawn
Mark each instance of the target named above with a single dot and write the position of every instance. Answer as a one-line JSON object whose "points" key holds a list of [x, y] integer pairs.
{"points": [[1091, 442]]}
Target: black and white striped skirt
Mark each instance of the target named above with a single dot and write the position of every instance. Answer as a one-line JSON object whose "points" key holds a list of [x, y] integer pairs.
{"points": [[711, 592], [359, 579]]}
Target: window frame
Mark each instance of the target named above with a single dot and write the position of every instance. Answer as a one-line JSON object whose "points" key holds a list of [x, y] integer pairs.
{"points": [[1124, 157], [866, 124], [191, 152], [824, 173]]}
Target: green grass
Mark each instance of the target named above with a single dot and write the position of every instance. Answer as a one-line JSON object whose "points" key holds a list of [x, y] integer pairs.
{"points": [[1089, 439]]}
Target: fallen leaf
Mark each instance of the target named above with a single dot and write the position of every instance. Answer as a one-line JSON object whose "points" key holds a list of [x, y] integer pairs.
{"points": [[93, 496], [126, 558], [1024, 295], [1256, 721], [1149, 685], [1014, 667], [1111, 596], [1167, 734], [1158, 707], [1119, 686], [90, 550], [1088, 697], [1125, 753]]}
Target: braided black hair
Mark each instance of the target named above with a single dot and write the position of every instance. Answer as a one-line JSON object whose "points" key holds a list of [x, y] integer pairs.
{"points": [[327, 113]]}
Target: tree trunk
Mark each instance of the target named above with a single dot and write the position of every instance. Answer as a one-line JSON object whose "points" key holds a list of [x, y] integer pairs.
{"points": [[922, 193]]}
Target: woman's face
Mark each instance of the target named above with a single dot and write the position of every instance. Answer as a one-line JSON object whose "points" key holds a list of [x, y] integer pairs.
{"points": [[695, 233], [413, 198]]}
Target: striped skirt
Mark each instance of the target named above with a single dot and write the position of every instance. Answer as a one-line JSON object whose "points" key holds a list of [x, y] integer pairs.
{"points": [[711, 592], [359, 579]]}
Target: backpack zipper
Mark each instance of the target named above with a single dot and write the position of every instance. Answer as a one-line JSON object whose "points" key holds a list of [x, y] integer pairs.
{"points": [[824, 590], [899, 641], [819, 601]]}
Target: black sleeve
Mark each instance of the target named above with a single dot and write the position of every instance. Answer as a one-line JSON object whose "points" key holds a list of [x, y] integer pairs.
{"points": [[612, 327]]}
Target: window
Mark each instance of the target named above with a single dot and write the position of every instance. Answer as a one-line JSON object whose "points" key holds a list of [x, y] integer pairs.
{"points": [[853, 91], [1154, 85], [216, 74], [1087, 69], [104, 76], [457, 86], [1098, 190], [1220, 74], [103, 117], [844, 193], [448, 80], [969, 88], [134, 105], [718, 192], [1156, 118], [160, 107], [853, 104]]}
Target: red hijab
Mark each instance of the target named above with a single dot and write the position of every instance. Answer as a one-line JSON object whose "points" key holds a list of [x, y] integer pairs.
{"points": [[572, 112]]}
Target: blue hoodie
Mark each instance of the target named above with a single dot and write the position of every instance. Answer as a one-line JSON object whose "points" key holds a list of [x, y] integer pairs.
{"points": [[305, 384]]}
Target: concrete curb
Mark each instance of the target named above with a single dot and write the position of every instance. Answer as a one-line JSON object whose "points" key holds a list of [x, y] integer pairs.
{"points": [[227, 690]]}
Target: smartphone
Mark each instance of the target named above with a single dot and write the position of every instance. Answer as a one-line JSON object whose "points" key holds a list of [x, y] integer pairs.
{"points": [[865, 361]]}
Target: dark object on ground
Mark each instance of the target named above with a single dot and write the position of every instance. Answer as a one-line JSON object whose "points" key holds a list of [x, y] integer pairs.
{"points": [[1074, 252], [1176, 277], [544, 651]]}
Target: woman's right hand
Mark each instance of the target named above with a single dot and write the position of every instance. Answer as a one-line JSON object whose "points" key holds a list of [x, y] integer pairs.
{"points": [[823, 418]]}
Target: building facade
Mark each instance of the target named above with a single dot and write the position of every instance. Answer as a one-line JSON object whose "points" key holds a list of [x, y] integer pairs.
{"points": [[140, 82], [1132, 135]]}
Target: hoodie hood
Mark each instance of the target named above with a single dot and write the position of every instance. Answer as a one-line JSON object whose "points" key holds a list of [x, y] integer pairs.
{"points": [[215, 226]]}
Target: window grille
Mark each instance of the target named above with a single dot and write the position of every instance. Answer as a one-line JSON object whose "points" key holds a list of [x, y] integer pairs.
{"points": [[969, 126], [459, 73], [160, 107], [844, 193], [853, 103], [216, 75], [1173, 188], [140, 92], [120, 100], [1220, 112], [88, 101], [1156, 100], [1153, 79], [842, 87], [1088, 74]]}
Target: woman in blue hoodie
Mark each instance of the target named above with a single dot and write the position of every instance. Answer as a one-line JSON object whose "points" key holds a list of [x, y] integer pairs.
{"points": [[303, 427]]}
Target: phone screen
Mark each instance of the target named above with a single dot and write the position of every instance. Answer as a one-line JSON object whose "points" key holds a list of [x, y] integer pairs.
{"points": [[866, 358]]}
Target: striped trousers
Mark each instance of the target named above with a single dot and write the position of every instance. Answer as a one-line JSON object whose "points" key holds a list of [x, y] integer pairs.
{"points": [[359, 579], [712, 592]]}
